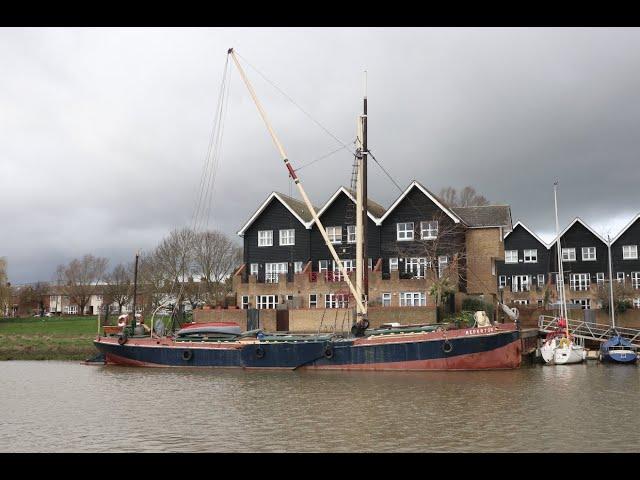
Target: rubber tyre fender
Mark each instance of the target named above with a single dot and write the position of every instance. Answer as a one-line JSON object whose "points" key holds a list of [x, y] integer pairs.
{"points": [[260, 353], [447, 347], [122, 339], [187, 355], [328, 352]]}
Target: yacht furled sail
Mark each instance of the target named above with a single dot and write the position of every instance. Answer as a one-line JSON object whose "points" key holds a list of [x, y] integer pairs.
{"points": [[418, 347]]}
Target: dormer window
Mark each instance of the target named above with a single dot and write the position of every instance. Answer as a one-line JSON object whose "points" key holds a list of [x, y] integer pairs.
{"points": [[404, 231]]}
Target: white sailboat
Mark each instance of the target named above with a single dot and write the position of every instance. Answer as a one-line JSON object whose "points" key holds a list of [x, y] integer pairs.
{"points": [[560, 347]]}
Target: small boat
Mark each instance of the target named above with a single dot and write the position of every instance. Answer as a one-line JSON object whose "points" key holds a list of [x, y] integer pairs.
{"points": [[210, 327], [618, 350]]}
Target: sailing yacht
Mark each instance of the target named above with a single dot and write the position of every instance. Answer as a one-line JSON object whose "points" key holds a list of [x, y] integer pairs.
{"points": [[422, 347], [559, 347]]}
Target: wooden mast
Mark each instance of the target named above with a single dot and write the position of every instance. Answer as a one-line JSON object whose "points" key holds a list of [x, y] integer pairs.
{"points": [[361, 308]]}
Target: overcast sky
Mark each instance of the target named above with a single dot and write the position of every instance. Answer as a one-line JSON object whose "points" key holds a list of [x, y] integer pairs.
{"points": [[104, 132]]}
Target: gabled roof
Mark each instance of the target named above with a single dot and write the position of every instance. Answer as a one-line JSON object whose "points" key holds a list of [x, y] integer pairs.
{"points": [[579, 220], [485, 215], [430, 195], [633, 220], [530, 231], [296, 207], [372, 207]]}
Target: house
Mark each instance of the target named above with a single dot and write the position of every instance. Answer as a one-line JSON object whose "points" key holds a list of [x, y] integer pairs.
{"points": [[625, 259]]}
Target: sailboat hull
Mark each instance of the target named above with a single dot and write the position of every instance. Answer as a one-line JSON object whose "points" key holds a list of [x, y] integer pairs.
{"points": [[619, 356], [464, 349]]}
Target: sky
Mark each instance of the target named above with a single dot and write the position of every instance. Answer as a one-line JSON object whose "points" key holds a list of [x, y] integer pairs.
{"points": [[104, 132]]}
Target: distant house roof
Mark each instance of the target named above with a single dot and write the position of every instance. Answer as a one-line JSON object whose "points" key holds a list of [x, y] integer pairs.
{"points": [[296, 207], [485, 215]]}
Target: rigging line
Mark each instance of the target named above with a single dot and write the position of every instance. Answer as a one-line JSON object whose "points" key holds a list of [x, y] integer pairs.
{"points": [[321, 158], [294, 102], [210, 145]]}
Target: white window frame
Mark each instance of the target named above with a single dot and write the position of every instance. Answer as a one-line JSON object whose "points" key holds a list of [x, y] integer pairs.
{"points": [[570, 254], [429, 230], [588, 251], [636, 302], [417, 266], [635, 280], [272, 271], [502, 281], [404, 231], [521, 302], [520, 283], [620, 277], [265, 238], [531, 257], [413, 299], [266, 302], [336, 300], [297, 267], [335, 234], [600, 278], [443, 264], [244, 302], [313, 300], [351, 234], [585, 303], [540, 280], [287, 237], [509, 256], [386, 299], [348, 263], [630, 252], [393, 264], [579, 282], [254, 269]]}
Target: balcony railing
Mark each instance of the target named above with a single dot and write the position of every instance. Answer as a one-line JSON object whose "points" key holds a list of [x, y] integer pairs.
{"points": [[328, 276]]}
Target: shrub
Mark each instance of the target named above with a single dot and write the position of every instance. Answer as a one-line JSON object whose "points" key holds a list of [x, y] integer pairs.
{"points": [[472, 304]]}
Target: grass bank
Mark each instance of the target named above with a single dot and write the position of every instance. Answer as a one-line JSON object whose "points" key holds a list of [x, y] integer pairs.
{"points": [[53, 338]]}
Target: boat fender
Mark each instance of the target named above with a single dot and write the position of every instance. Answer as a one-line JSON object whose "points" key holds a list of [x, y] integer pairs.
{"points": [[122, 339], [187, 355], [447, 347], [260, 352], [328, 351]]}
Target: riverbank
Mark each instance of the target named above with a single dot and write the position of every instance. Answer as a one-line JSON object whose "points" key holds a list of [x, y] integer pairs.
{"points": [[48, 338]]}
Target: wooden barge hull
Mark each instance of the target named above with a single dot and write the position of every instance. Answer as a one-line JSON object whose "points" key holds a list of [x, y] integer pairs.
{"points": [[464, 349]]}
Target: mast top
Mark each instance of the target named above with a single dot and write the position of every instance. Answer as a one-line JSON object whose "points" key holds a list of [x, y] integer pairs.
{"points": [[230, 51], [365, 84]]}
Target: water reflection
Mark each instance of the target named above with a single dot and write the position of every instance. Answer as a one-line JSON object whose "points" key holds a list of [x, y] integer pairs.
{"points": [[60, 406]]}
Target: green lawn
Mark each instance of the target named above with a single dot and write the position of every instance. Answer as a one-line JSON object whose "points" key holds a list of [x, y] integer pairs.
{"points": [[48, 338]]}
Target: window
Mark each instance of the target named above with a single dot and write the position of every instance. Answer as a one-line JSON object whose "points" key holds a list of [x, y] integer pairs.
{"points": [[313, 300], [600, 278], [521, 302], [568, 254], [323, 265], [370, 262], [336, 300], [73, 309], [404, 231], [245, 302], [351, 234], [540, 280], [393, 264], [413, 299], [348, 264], [540, 303], [502, 281], [635, 279], [531, 256], [254, 269], [636, 302], [265, 238], [585, 303], [272, 270], [579, 281], [297, 267], [629, 252], [443, 261], [429, 230], [334, 234], [521, 283], [511, 256], [264, 302], [386, 299], [287, 237], [620, 277], [416, 266], [588, 254]]}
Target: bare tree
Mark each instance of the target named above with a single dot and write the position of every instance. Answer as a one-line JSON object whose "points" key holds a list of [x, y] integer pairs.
{"points": [[468, 197], [5, 288], [32, 297], [174, 255], [215, 257], [119, 288], [622, 294], [79, 279], [152, 283]]}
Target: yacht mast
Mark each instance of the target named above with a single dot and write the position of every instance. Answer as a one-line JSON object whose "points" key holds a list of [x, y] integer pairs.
{"points": [[563, 306], [361, 308], [611, 304]]}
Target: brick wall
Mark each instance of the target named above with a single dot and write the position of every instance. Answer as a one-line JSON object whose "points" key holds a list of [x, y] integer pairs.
{"points": [[484, 246]]}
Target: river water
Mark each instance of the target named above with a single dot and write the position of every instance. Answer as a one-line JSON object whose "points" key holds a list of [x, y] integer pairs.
{"points": [[66, 406]]}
